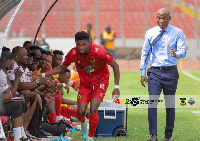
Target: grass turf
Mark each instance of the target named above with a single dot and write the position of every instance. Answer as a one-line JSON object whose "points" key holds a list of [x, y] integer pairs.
{"points": [[186, 123]]}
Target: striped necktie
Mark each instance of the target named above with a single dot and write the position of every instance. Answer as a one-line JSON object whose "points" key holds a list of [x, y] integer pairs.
{"points": [[154, 41], [157, 38]]}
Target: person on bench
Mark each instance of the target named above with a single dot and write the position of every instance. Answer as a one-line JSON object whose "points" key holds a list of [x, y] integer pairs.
{"points": [[13, 108]]}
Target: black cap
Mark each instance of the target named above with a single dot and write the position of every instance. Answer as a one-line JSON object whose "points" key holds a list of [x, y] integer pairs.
{"points": [[2, 62], [28, 51], [7, 55], [35, 56]]}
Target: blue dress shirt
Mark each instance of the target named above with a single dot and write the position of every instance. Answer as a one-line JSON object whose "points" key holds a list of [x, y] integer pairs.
{"points": [[160, 55]]}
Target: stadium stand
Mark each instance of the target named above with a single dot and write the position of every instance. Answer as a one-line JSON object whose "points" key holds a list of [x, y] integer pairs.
{"points": [[61, 22]]}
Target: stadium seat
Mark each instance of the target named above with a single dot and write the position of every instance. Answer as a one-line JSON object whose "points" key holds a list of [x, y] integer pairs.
{"points": [[87, 5], [61, 21], [4, 119]]}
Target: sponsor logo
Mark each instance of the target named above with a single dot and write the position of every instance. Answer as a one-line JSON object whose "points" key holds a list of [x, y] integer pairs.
{"points": [[90, 69], [92, 60], [182, 101], [191, 102], [79, 96]]}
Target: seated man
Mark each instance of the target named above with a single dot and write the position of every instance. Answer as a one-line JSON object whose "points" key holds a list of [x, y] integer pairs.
{"points": [[27, 87], [63, 79], [56, 61], [12, 109]]}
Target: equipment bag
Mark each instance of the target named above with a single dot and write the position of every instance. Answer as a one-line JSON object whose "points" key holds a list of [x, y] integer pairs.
{"points": [[56, 129]]}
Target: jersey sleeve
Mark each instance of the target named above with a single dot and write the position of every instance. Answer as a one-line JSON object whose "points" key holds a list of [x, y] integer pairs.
{"points": [[104, 55], [70, 57]]}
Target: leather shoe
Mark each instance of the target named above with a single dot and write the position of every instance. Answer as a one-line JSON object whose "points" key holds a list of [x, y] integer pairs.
{"points": [[168, 139], [153, 138]]}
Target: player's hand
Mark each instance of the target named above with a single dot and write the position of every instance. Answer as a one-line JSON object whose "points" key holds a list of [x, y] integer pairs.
{"points": [[49, 97], [115, 94], [47, 81], [67, 88], [34, 75], [58, 86], [23, 99], [7, 96], [144, 81], [173, 53], [50, 89]]}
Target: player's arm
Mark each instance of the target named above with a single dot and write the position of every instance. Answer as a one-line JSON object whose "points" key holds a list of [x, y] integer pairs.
{"points": [[68, 102], [115, 66], [34, 84], [28, 93], [16, 81], [116, 71], [27, 86], [57, 70]]}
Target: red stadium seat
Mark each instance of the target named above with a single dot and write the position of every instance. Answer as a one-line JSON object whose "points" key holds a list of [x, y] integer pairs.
{"points": [[4, 119], [61, 21]]}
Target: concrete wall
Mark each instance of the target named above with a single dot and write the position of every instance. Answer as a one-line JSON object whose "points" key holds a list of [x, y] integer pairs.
{"points": [[193, 46], [65, 44]]}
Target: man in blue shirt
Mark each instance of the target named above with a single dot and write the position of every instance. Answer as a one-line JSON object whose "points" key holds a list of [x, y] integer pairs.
{"points": [[164, 45]]}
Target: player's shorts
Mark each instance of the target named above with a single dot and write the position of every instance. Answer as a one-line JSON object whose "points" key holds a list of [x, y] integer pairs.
{"points": [[13, 109], [98, 91]]}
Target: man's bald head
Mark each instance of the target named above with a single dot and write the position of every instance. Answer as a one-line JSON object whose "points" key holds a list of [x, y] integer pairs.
{"points": [[163, 11], [22, 57], [16, 49], [163, 17]]}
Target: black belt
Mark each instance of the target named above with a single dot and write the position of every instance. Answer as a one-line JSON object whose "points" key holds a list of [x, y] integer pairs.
{"points": [[165, 68]]}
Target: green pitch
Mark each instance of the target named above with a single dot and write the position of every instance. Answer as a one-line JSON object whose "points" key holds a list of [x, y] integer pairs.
{"points": [[187, 121]]}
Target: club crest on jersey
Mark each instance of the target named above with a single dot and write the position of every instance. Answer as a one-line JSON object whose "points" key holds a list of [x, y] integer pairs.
{"points": [[92, 60], [79, 96]]}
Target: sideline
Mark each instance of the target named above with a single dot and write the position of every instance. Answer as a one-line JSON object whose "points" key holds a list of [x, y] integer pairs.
{"points": [[190, 75]]}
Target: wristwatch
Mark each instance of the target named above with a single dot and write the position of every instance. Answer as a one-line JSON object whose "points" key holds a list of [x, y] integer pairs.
{"points": [[37, 82]]}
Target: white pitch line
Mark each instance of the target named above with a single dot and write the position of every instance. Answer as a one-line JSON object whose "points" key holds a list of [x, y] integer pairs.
{"points": [[196, 112], [191, 76]]}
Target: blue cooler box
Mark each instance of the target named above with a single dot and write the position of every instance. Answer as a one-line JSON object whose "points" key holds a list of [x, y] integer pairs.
{"points": [[111, 117]]}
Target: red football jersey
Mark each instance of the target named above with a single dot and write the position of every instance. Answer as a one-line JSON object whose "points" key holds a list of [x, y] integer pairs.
{"points": [[92, 67]]}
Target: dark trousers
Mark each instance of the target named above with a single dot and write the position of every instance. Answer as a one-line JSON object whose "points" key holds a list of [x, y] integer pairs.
{"points": [[167, 81], [36, 120]]}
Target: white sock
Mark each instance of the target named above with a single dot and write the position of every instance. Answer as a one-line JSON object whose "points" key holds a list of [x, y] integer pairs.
{"points": [[90, 138], [17, 133], [70, 83], [23, 132]]}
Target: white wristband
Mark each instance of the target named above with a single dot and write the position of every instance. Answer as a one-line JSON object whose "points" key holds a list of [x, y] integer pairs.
{"points": [[64, 85], [70, 83], [116, 86], [43, 75]]}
